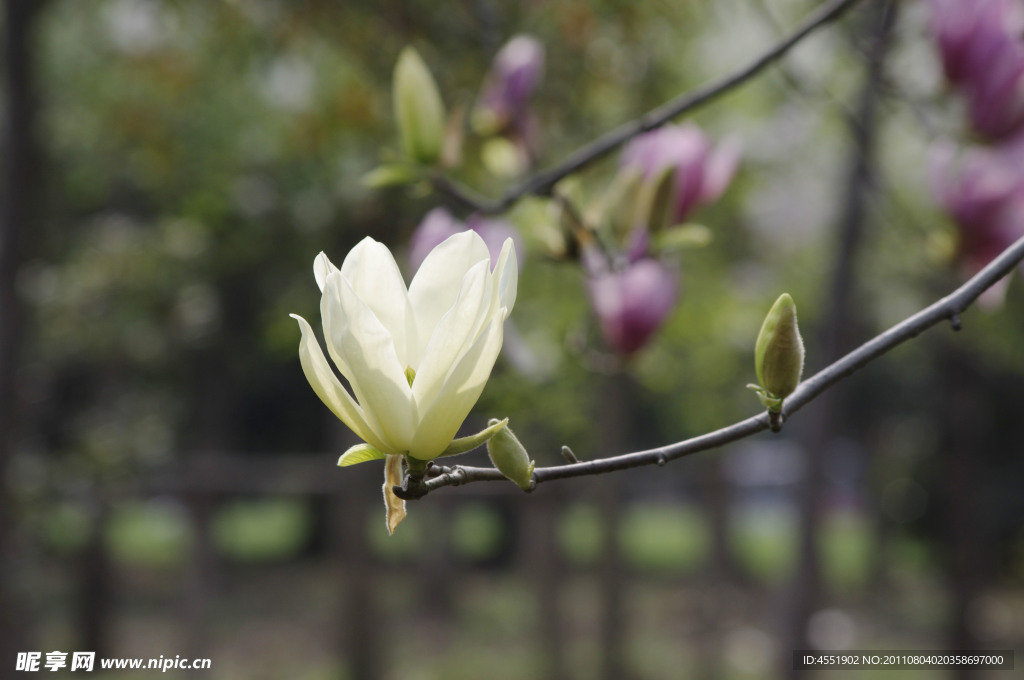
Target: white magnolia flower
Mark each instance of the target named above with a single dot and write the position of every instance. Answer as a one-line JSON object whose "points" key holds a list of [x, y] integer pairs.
{"points": [[417, 358]]}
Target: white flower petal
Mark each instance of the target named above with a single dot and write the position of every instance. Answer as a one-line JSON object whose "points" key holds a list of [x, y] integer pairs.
{"points": [[322, 267], [506, 277], [455, 333], [436, 285], [374, 276], [366, 356], [442, 419], [327, 386], [335, 323], [446, 327]]}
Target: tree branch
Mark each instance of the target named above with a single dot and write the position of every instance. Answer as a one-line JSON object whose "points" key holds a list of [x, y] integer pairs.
{"points": [[948, 308], [541, 184]]}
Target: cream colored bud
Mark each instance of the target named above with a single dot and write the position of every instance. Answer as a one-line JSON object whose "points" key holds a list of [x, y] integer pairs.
{"points": [[510, 457], [418, 109], [779, 353]]}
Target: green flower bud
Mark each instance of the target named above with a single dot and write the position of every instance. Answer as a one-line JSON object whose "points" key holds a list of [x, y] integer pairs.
{"points": [[418, 108], [657, 201], [510, 457], [779, 353]]}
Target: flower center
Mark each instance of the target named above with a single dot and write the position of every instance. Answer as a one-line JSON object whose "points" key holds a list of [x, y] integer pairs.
{"points": [[410, 374]]}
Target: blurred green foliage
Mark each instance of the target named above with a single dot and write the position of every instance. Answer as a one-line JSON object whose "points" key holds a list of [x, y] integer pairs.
{"points": [[150, 534], [200, 154], [669, 539], [260, 530]]}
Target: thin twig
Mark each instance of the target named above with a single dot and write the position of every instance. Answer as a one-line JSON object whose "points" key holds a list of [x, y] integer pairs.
{"points": [[541, 184], [460, 193], [948, 308]]}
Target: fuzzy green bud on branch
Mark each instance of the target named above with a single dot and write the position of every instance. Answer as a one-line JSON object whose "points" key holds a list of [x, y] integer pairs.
{"points": [[510, 457], [778, 354], [418, 109]]}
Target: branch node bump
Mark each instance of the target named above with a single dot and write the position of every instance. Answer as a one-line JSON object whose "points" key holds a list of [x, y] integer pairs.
{"points": [[413, 488], [569, 456], [458, 476], [954, 321], [662, 459], [775, 421]]}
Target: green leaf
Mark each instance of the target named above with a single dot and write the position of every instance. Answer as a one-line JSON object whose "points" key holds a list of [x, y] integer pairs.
{"points": [[469, 443], [657, 200], [768, 400], [360, 453], [618, 206], [390, 175], [682, 236]]}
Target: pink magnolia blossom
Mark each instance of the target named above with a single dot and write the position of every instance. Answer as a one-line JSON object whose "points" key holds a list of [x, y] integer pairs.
{"points": [[966, 31], [996, 101], [516, 73], [982, 50], [703, 171], [439, 224], [983, 191], [631, 303]]}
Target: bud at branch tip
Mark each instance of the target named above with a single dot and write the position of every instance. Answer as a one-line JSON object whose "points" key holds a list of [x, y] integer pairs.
{"points": [[778, 355]]}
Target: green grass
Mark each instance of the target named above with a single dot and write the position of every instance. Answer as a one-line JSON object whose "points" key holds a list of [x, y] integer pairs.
{"points": [[148, 534], [253, 531], [664, 538], [477, 531], [765, 543], [580, 533], [846, 550]]}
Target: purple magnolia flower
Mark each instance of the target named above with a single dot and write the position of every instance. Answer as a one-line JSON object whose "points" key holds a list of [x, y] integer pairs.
{"points": [[967, 29], [996, 101], [982, 51], [983, 191], [494, 232], [631, 303], [702, 171], [516, 73], [439, 224]]}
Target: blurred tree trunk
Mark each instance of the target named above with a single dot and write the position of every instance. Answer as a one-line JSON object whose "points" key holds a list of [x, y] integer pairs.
{"points": [[965, 410], [542, 564], [616, 421], [362, 627], [210, 435], [199, 575], [612, 576], [18, 224], [95, 596], [824, 416], [720, 572], [360, 620], [721, 566]]}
